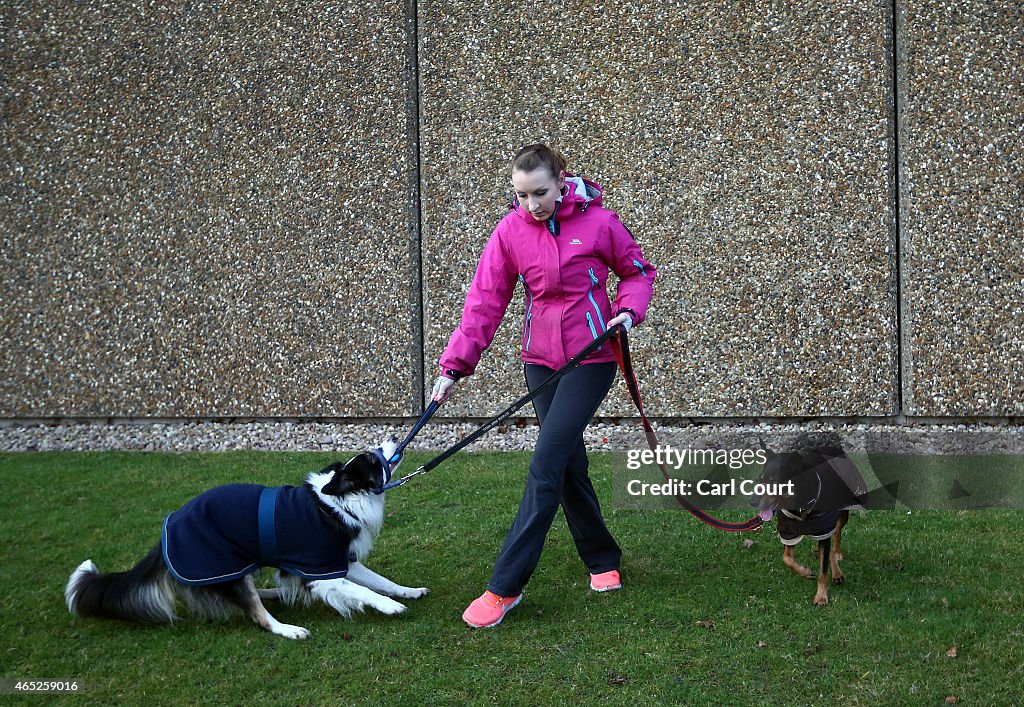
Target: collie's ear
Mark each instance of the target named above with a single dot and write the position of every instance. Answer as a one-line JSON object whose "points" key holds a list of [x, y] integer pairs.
{"points": [[339, 485], [332, 468]]}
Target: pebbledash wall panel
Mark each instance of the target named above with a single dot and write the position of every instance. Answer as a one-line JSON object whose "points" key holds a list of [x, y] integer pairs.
{"points": [[748, 146], [207, 210], [240, 210], [961, 97]]}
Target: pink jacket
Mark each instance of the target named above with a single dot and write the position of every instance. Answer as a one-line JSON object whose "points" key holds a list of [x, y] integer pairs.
{"points": [[563, 265]]}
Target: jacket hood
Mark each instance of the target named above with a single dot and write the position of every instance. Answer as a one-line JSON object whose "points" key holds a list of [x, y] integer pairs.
{"points": [[578, 195]]}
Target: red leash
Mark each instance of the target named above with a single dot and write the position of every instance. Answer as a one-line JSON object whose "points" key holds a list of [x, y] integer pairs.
{"points": [[620, 347]]}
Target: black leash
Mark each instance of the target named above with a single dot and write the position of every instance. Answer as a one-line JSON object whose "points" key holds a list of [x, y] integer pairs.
{"points": [[620, 347], [494, 421]]}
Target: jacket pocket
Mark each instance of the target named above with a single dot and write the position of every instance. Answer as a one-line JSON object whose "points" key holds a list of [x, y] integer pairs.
{"points": [[528, 317], [594, 318]]}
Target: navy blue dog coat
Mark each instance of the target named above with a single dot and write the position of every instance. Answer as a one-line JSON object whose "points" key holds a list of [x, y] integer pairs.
{"points": [[233, 530], [818, 525]]}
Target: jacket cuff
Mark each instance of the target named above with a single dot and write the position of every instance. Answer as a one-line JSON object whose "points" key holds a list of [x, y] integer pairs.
{"points": [[451, 373], [630, 312]]}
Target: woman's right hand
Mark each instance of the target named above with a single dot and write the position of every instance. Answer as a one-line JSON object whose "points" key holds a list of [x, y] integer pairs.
{"points": [[442, 388]]}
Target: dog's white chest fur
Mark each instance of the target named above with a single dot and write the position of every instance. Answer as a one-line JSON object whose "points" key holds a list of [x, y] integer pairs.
{"points": [[363, 512]]}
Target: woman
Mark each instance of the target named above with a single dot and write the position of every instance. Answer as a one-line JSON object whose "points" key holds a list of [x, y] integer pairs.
{"points": [[560, 244]]}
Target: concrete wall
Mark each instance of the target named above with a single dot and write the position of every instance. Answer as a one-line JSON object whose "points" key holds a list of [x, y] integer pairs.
{"points": [[961, 128], [208, 210], [276, 210]]}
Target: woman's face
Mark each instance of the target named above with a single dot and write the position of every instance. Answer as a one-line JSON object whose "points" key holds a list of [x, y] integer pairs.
{"points": [[538, 191]]}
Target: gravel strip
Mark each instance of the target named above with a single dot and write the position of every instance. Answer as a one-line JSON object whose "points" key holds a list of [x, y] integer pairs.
{"points": [[619, 435]]}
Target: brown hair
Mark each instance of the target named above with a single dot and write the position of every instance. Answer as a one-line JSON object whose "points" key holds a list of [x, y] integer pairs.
{"points": [[532, 157]]}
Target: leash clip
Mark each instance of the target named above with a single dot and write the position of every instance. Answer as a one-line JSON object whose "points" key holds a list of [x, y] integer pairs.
{"points": [[399, 482]]}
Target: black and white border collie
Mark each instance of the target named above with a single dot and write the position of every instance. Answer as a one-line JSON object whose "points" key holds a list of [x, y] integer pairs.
{"points": [[317, 535]]}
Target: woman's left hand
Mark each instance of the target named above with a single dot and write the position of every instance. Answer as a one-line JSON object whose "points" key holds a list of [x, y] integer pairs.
{"points": [[624, 319]]}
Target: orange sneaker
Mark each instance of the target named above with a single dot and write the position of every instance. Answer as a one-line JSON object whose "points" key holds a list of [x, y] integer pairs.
{"points": [[489, 609], [606, 581]]}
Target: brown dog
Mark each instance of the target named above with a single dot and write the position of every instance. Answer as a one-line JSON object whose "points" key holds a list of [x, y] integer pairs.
{"points": [[821, 486]]}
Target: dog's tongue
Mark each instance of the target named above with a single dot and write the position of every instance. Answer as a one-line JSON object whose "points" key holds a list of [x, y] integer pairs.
{"points": [[766, 515]]}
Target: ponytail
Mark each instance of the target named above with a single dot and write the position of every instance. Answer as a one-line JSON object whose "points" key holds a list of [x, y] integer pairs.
{"points": [[539, 155]]}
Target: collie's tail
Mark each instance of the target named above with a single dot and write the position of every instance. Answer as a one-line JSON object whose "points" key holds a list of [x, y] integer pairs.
{"points": [[144, 594]]}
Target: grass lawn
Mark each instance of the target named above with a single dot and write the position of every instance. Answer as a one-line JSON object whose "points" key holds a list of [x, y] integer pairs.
{"points": [[931, 609]]}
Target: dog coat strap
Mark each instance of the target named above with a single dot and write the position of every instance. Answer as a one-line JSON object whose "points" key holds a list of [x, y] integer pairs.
{"points": [[268, 531]]}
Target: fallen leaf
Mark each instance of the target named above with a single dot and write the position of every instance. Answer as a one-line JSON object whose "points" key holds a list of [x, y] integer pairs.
{"points": [[706, 623], [762, 644], [748, 543], [617, 679], [346, 636], [951, 653], [951, 700]]}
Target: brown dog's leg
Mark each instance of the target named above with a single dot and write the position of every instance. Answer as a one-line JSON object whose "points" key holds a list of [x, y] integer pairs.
{"points": [[844, 518], [789, 560], [824, 556], [837, 548]]}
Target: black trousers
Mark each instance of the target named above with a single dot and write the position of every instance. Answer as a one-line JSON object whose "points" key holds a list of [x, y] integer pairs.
{"points": [[558, 477]]}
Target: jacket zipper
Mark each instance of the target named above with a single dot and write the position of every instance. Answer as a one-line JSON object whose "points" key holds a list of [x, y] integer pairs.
{"points": [[597, 310], [528, 317], [552, 224], [593, 329], [640, 267]]}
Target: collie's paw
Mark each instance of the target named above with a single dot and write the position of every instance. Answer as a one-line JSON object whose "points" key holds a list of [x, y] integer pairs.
{"points": [[409, 592], [388, 606], [296, 633]]}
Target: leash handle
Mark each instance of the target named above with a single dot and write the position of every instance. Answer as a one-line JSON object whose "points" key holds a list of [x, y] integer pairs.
{"points": [[620, 347], [427, 414]]}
